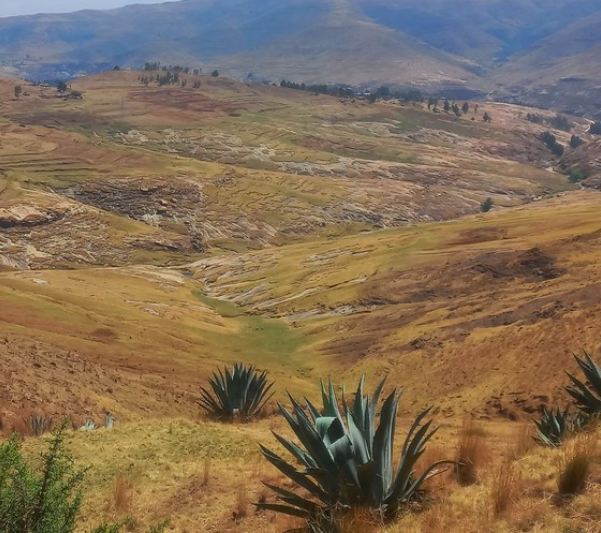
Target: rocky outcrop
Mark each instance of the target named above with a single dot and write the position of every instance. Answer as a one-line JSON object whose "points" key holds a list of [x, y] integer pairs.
{"points": [[28, 215]]}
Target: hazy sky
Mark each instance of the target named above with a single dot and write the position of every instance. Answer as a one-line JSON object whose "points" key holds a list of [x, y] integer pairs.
{"points": [[30, 7]]}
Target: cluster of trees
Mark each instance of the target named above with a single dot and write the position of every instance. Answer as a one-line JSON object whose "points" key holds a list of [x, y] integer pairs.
{"points": [[332, 90], [550, 141], [558, 121], [453, 107], [153, 66], [167, 78]]}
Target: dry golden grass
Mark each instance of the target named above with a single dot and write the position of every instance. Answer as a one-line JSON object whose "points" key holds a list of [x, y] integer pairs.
{"points": [[360, 521], [524, 441], [472, 452], [505, 490], [206, 472], [123, 496], [575, 465]]}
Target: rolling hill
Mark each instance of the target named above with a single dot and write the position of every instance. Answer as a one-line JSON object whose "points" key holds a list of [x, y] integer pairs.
{"points": [[560, 71], [149, 234], [491, 47]]}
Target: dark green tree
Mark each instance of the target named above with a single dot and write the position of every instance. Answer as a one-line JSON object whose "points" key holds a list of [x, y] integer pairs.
{"points": [[576, 141], [466, 107], [595, 128], [61, 87], [487, 205]]}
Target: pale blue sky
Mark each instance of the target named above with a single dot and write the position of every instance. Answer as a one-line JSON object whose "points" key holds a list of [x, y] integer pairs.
{"points": [[29, 7]]}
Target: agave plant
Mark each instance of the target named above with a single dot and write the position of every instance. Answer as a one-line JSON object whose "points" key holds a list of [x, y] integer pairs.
{"points": [[39, 424], [345, 461], [587, 396], [555, 426], [242, 393], [88, 426]]}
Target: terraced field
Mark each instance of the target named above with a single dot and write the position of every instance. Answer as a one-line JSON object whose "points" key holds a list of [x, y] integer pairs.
{"points": [[270, 165]]}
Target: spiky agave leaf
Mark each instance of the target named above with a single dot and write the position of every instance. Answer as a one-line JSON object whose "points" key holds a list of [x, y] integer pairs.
{"points": [[347, 461], [240, 392], [587, 396]]}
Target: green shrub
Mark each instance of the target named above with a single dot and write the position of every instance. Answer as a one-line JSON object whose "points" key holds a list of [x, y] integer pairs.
{"points": [[47, 501], [44, 500], [577, 175]]}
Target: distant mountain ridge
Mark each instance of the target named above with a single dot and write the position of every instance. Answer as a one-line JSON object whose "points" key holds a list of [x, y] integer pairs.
{"points": [[518, 49]]}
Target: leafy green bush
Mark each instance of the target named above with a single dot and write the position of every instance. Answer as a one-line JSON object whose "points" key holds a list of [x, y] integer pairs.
{"points": [[577, 175], [241, 393], [39, 502], [47, 500], [347, 463]]}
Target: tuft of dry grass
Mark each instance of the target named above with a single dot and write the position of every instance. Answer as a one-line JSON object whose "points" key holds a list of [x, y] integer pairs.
{"points": [[433, 454], [575, 466], [524, 441], [241, 507], [472, 452], [123, 495], [504, 490], [206, 472]]}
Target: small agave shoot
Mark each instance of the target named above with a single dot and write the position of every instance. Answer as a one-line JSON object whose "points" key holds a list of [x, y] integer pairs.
{"points": [[346, 462], [237, 394], [555, 426]]}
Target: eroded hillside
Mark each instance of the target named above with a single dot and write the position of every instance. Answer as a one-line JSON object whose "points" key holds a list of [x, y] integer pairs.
{"points": [[161, 174]]}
